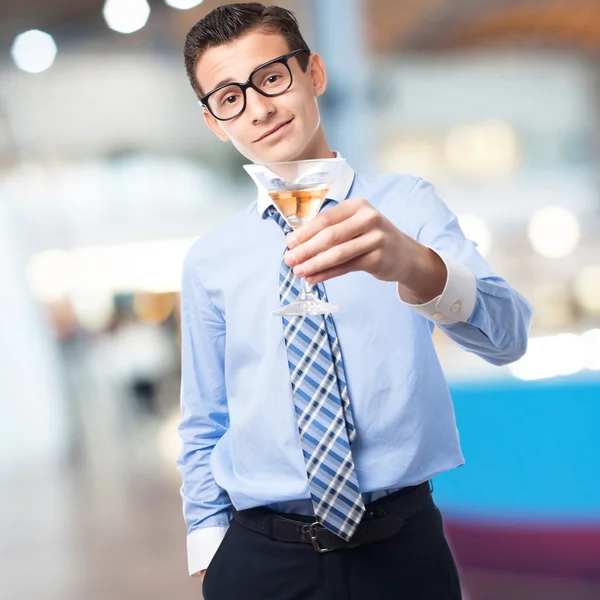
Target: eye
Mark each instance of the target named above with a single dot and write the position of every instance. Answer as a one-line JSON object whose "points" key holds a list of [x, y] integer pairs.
{"points": [[231, 99], [272, 79]]}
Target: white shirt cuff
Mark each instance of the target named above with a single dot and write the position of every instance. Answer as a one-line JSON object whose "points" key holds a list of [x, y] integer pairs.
{"points": [[202, 544], [455, 304]]}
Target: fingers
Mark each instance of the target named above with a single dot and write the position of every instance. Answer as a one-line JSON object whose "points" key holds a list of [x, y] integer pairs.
{"points": [[356, 264], [326, 239], [368, 244], [325, 219]]}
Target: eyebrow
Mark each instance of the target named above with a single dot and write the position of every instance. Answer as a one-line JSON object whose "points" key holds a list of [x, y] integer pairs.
{"points": [[230, 80], [224, 82]]}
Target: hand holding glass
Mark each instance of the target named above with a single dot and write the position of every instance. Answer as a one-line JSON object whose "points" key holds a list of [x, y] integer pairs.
{"points": [[298, 190]]}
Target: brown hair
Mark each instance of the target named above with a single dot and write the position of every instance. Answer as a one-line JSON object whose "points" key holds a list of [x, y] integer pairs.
{"points": [[230, 22]]}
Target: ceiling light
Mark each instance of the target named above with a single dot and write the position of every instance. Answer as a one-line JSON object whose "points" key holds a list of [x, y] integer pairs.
{"points": [[126, 16], [183, 4], [34, 51]]}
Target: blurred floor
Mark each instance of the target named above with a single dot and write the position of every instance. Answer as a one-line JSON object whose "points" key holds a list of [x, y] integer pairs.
{"points": [[71, 537], [120, 536]]}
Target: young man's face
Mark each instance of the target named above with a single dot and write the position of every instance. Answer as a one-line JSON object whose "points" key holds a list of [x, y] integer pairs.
{"points": [[294, 114]]}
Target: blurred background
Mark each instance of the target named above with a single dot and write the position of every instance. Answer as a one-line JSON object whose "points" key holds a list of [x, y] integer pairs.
{"points": [[108, 174]]}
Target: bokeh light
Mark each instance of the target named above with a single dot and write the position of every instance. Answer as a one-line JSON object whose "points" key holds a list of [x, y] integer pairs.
{"points": [[183, 4], [554, 231], [153, 308], [34, 51], [550, 356], [50, 275], [591, 349], [153, 266], [413, 154], [487, 149], [586, 287], [94, 309], [126, 16]]}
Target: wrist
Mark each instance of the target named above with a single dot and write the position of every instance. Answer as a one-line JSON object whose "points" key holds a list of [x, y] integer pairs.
{"points": [[423, 276]]}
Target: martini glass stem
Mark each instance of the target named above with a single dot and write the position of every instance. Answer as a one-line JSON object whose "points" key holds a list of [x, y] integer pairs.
{"points": [[306, 291]]}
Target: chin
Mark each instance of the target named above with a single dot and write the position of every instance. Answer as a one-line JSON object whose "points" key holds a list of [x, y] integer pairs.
{"points": [[281, 152]]}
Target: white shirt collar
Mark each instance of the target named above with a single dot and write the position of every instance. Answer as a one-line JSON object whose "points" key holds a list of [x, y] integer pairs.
{"points": [[338, 190]]}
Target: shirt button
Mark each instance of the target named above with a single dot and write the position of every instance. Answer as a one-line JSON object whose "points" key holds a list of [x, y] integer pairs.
{"points": [[438, 316], [455, 307]]}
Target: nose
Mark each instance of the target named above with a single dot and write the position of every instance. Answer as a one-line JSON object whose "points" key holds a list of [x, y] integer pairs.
{"points": [[258, 107]]}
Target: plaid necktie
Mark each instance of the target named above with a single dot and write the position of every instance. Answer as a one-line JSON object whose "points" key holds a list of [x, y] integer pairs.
{"points": [[322, 408]]}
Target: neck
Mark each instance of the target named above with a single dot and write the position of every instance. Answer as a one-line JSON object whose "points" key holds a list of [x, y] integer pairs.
{"points": [[317, 148]]}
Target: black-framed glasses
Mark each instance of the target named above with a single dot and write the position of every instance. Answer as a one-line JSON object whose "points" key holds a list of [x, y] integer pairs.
{"points": [[273, 78]]}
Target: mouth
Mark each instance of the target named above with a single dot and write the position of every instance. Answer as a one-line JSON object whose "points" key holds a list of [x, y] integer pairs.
{"points": [[274, 130]]}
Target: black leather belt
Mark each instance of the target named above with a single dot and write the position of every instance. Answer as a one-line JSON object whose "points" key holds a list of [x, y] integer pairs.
{"points": [[383, 519]]}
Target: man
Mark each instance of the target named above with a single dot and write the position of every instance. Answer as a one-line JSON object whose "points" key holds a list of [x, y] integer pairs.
{"points": [[259, 507]]}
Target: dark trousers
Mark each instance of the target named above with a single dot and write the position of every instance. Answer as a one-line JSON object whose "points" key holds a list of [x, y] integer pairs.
{"points": [[415, 564]]}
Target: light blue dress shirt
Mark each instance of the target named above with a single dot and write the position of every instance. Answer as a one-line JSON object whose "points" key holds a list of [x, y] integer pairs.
{"points": [[240, 437]]}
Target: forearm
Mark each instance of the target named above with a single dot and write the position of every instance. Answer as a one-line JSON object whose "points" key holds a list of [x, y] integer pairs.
{"points": [[204, 421], [206, 506], [422, 278]]}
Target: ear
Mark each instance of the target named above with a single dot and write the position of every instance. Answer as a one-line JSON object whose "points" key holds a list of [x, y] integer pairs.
{"points": [[214, 125], [318, 74]]}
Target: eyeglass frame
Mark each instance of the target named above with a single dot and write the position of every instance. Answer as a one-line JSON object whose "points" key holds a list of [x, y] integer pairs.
{"points": [[284, 58]]}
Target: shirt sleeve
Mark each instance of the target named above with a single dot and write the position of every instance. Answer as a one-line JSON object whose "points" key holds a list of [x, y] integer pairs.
{"points": [[204, 420], [457, 300], [202, 545], [477, 309]]}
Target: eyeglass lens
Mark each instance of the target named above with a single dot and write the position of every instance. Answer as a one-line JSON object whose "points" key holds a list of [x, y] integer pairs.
{"points": [[271, 80]]}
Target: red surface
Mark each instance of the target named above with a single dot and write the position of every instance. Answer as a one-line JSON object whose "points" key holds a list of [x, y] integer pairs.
{"points": [[562, 551]]}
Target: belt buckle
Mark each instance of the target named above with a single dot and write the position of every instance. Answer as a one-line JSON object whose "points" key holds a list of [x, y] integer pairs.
{"points": [[315, 541]]}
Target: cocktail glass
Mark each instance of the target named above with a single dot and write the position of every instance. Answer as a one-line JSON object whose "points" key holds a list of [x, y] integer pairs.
{"points": [[298, 190]]}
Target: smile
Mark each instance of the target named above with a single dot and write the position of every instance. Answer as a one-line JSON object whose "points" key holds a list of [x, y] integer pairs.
{"points": [[274, 130]]}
